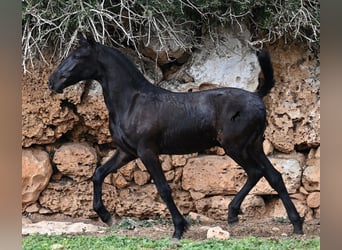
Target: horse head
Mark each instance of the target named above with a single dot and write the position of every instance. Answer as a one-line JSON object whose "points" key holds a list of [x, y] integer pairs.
{"points": [[77, 66]]}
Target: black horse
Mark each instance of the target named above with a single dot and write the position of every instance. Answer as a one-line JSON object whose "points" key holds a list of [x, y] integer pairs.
{"points": [[146, 121]]}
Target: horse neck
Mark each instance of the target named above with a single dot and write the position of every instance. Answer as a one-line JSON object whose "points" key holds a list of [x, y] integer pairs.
{"points": [[120, 79]]}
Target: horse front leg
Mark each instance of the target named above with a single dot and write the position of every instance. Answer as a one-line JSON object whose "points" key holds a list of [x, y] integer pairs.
{"points": [[234, 207], [242, 157], [152, 163], [119, 159]]}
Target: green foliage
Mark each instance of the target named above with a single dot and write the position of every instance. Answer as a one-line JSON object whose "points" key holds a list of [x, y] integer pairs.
{"points": [[54, 25], [282, 220], [43, 242]]}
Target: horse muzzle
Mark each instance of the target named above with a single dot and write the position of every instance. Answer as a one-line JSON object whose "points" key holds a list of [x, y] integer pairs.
{"points": [[54, 87]]}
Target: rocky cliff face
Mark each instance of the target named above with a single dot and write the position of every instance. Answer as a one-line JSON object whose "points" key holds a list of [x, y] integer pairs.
{"points": [[65, 136], [294, 104]]}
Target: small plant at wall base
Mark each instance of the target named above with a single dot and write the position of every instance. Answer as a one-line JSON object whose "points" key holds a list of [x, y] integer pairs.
{"points": [[53, 26]]}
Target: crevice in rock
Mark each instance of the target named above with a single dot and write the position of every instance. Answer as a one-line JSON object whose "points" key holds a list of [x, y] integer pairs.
{"points": [[67, 104]]}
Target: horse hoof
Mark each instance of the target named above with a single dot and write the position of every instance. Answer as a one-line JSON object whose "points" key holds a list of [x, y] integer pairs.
{"points": [[109, 222], [298, 226], [233, 221], [175, 242], [298, 231]]}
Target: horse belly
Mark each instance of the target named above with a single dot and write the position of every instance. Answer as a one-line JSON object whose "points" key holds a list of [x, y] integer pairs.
{"points": [[188, 142]]}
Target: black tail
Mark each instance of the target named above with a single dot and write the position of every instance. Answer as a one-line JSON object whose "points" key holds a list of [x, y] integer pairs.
{"points": [[267, 70]]}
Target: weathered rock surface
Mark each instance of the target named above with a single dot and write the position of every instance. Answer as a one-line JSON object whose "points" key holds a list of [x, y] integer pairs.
{"points": [[141, 177], [215, 207], [314, 199], [59, 227], [200, 218], [36, 173], [164, 53], [45, 117], [206, 184], [75, 199], [76, 160], [254, 206], [213, 175], [277, 209], [232, 64], [311, 178], [220, 175], [217, 233], [140, 202], [94, 113], [144, 201], [294, 103]]}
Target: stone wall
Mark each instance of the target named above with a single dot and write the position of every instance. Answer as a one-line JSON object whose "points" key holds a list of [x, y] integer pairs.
{"points": [[65, 136]]}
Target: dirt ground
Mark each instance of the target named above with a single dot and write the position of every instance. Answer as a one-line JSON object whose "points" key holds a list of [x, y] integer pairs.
{"points": [[162, 228]]}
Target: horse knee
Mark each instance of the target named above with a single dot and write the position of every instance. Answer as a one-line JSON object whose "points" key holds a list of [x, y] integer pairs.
{"points": [[97, 178]]}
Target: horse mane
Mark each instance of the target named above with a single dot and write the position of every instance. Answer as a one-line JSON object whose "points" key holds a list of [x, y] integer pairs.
{"points": [[124, 62]]}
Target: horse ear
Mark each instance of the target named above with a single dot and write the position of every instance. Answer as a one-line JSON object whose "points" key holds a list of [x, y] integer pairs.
{"points": [[82, 39], [86, 40], [91, 40]]}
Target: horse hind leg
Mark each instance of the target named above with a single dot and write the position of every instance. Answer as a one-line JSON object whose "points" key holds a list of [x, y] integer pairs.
{"points": [[238, 145], [254, 174], [256, 164], [275, 179]]}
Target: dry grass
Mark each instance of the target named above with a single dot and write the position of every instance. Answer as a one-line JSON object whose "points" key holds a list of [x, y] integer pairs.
{"points": [[54, 25]]}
